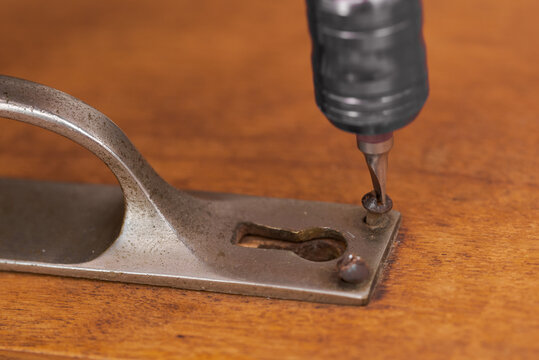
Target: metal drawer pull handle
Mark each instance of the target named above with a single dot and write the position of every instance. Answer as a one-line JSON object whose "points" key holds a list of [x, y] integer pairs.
{"points": [[164, 236]]}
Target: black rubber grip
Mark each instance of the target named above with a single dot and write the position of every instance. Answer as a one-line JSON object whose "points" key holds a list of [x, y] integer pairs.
{"points": [[369, 65]]}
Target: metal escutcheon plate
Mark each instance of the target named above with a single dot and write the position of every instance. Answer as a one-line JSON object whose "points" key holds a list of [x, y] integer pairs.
{"points": [[147, 232]]}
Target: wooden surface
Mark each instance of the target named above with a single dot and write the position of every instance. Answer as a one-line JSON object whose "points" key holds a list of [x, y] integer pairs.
{"points": [[218, 96]]}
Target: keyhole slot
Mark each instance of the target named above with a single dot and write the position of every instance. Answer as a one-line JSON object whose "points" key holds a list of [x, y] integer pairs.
{"points": [[314, 244]]}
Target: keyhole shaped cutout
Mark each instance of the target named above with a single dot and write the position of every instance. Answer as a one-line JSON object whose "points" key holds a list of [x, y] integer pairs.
{"points": [[314, 244]]}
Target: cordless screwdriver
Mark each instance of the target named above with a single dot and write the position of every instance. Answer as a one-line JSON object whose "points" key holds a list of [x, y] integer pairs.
{"points": [[370, 75]]}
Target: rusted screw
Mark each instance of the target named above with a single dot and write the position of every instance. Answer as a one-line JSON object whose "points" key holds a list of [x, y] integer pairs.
{"points": [[353, 269], [374, 220], [376, 212], [371, 203]]}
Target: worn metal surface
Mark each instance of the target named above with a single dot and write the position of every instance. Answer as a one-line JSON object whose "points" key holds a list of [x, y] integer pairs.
{"points": [[205, 241]]}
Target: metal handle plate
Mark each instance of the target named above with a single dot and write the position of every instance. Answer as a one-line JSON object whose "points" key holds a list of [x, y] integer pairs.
{"points": [[151, 233]]}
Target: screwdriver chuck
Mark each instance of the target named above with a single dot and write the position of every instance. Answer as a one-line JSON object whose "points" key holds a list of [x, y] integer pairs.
{"points": [[369, 66]]}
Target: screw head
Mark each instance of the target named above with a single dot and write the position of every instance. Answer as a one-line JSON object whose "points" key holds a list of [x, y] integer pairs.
{"points": [[371, 204], [353, 269]]}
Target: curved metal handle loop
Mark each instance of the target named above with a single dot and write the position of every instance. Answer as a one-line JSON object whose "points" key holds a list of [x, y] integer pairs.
{"points": [[63, 114]]}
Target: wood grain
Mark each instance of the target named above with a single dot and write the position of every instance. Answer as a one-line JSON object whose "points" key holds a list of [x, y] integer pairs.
{"points": [[218, 96]]}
